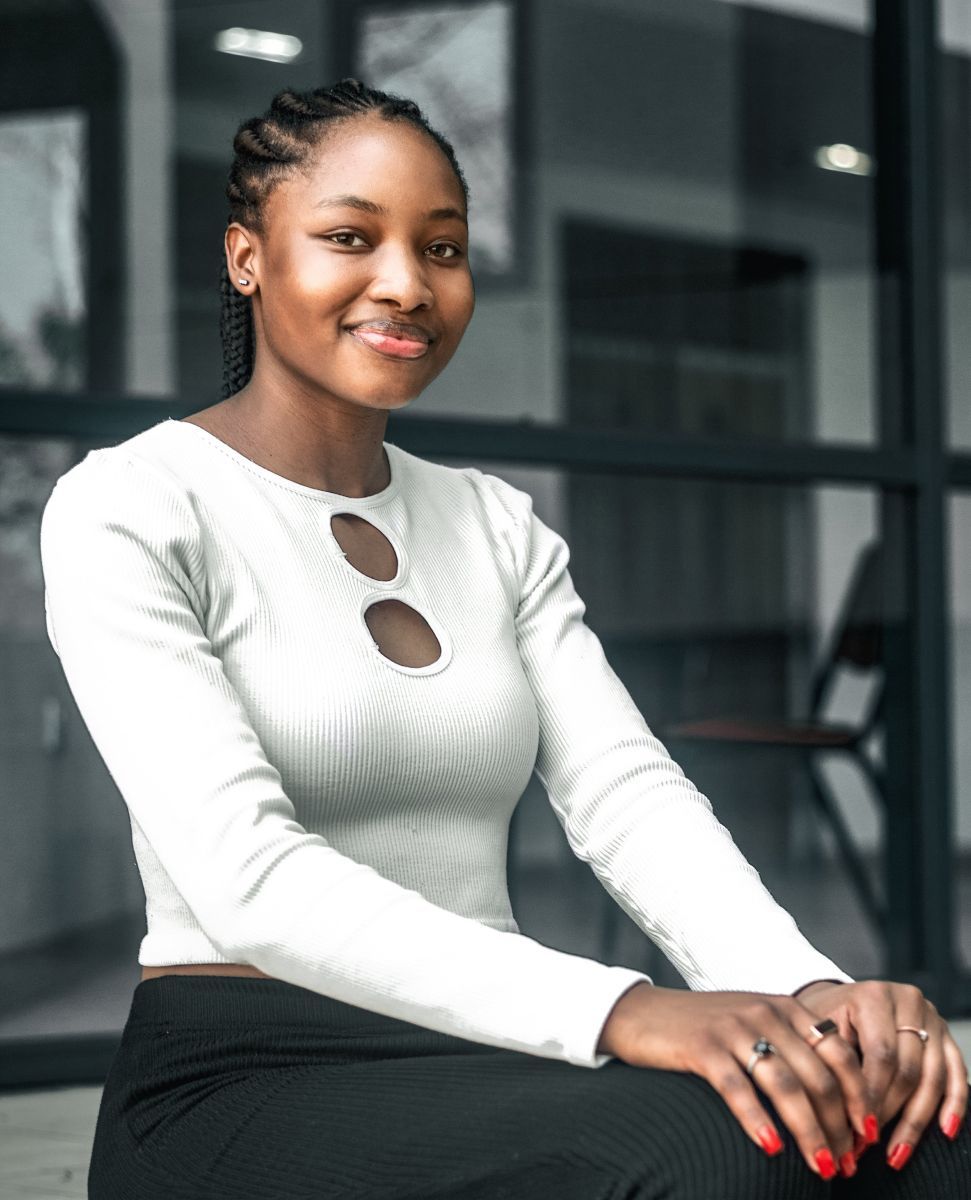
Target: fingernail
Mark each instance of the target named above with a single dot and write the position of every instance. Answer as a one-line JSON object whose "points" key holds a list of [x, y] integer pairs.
{"points": [[952, 1125], [859, 1144], [899, 1155], [824, 1161], [769, 1140], [871, 1131], [848, 1164]]}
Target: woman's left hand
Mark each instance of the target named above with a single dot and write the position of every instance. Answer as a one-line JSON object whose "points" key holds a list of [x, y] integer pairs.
{"points": [[903, 1073]]}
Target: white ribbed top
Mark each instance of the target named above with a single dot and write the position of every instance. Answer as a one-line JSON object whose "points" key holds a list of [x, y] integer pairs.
{"points": [[300, 802]]}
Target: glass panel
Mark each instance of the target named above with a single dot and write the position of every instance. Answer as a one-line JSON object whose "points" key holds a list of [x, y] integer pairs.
{"points": [[72, 909], [960, 551], [413, 51], [955, 82], [697, 258], [653, 254], [42, 244], [720, 606]]}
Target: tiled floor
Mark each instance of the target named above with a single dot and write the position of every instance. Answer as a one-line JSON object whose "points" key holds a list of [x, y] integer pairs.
{"points": [[45, 1142]]}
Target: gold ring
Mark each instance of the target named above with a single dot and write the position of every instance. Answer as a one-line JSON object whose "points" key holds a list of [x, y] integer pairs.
{"points": [[921, 1033], [818, 1031]]}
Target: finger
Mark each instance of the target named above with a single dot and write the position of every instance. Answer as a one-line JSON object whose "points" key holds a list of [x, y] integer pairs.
{"points": [[923, 1101], [843, 1061], [912, 1013], [873, 1016], [733, 1085], [786, 1091], [821, 1084], [955, 1107]]}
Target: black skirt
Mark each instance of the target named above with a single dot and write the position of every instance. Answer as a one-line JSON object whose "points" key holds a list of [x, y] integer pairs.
{"points": [[239, 1088]]}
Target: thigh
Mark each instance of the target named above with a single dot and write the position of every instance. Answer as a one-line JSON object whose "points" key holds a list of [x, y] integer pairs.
{"points": [[939, 1169], [496, 1126]]}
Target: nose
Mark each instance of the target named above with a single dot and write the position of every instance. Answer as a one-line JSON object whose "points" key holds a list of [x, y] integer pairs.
{"points": [[401, 276]]}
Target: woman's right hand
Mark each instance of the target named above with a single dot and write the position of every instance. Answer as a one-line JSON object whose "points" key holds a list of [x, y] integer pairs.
{"points": [[818, 1091]]}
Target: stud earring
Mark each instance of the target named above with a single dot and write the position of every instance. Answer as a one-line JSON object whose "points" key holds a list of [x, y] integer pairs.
{"points": [[244, 281]]}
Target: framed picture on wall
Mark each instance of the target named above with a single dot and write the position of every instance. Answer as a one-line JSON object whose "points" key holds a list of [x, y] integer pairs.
{"points": [[460, 61]]}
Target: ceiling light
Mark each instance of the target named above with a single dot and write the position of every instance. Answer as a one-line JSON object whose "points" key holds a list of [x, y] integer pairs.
{"points": [[258, 43], [839, 156]]}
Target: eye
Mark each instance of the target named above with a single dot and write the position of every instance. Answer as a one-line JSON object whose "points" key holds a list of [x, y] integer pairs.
{"points": [[345, 234], [448, 246]]}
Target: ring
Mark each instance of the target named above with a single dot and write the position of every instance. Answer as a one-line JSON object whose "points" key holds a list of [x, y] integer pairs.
{"points": [[921, 1033], [819, 1031], [762, 1049]]}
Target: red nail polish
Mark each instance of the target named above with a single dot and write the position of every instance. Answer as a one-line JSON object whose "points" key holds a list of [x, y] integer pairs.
{"points": [[848, 1164], [824, 1160], [769, 1140], [859, 1144], [900, 1155], [871, 1130], [952, 1125]]}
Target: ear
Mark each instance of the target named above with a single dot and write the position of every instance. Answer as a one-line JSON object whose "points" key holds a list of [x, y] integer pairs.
{"points": [[241, 256]]}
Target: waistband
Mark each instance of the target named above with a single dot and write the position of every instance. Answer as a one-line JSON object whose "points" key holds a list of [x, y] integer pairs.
{"points": [[232, 1000]]}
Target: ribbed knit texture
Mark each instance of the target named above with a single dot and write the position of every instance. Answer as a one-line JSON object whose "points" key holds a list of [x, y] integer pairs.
{"points": [[300, 802], [253, 1089]]}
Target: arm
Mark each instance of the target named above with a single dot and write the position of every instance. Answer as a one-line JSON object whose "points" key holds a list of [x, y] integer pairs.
{"points": [[626, 807], [119, 545]]}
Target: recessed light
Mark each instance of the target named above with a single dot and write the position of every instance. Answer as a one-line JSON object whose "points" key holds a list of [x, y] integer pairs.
{"points": [[840, 156], [258, 43]]}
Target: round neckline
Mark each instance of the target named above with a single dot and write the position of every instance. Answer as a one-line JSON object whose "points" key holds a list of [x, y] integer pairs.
{"points": [[391, 450]]}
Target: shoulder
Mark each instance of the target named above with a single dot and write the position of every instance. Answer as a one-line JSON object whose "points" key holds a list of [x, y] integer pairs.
{"points": [[468, 493], [129, 485]]}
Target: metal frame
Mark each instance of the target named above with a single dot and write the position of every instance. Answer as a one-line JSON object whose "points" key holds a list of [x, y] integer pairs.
{"points": [[911, 466]]}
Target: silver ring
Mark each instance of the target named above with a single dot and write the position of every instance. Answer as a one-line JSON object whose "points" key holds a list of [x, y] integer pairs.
{"points": [[921, 1033], [762, 1049]]}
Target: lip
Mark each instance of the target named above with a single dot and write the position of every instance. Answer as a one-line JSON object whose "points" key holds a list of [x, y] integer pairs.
{"points": [[408, 330], [388, 346]]}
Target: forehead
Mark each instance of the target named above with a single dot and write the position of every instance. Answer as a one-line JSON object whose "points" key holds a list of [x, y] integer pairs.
{"points": [[392, 163]]}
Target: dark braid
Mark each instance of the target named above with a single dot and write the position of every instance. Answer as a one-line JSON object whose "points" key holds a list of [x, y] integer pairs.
{"points": [[271, 148]]}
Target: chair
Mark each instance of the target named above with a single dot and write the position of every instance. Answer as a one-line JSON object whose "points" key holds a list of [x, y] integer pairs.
{"points": [[857, 641]]}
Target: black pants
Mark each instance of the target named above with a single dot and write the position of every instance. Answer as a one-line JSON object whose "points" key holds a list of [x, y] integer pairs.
{"points": [[236, 1088]]}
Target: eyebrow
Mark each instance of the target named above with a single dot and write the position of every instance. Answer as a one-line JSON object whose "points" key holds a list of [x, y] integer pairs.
{"points": [[348, 201]]}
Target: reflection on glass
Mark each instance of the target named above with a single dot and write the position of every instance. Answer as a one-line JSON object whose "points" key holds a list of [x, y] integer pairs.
{"points": [[959, 514], [42, 247], [745, 621], [955, 109], [454, 61], [71, 903]]}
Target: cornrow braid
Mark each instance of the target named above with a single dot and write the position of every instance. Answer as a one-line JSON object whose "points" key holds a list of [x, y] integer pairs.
{"points": [[271, 148]]}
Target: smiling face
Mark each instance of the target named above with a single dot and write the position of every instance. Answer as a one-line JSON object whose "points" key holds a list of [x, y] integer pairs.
{"points": [[321, 267]]}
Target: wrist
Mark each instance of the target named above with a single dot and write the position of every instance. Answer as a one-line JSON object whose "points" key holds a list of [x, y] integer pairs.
{"points": [[816, 985], [619, 1013]]}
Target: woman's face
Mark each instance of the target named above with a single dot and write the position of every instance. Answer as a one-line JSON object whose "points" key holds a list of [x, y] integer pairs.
{"points": [[324, 264]]}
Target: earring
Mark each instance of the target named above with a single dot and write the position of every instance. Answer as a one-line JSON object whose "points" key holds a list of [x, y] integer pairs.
{"points": [[244, 281]]}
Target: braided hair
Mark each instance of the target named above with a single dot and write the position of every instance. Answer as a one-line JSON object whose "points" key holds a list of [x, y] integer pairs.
{"points": [[271, 148]]}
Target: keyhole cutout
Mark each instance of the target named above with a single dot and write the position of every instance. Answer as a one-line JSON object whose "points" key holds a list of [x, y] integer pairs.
{"points": [[366, 547], [402, 634]]}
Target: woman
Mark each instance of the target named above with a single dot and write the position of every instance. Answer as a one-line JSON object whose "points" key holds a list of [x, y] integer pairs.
{"points": [[321, 671]]}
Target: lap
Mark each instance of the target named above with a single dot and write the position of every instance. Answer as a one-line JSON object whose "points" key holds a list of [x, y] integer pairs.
{"points": [[240, 1088], [463, 1127]]}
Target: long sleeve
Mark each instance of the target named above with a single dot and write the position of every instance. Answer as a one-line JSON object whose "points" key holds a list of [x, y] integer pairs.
{"points": [[121, 546], [626, 807]]}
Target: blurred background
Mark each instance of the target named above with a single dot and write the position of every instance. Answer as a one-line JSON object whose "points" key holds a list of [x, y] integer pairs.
{"points": [[727, 355]]}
